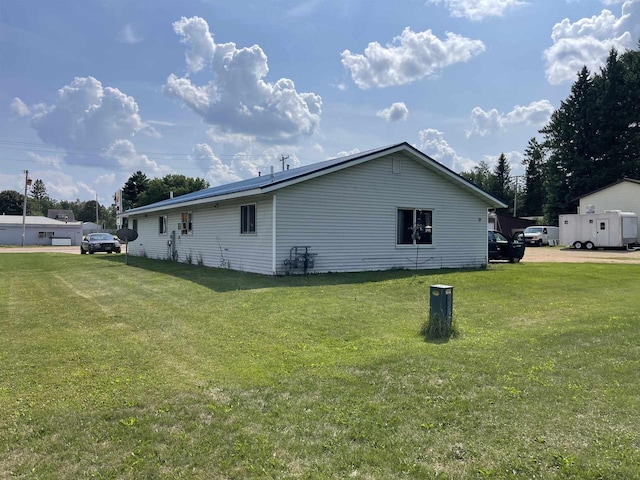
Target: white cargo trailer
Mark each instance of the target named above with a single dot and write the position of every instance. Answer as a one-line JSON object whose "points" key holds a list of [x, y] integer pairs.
{"points": [[612, 228]]}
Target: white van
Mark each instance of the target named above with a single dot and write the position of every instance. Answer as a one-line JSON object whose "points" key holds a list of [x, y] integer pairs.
{"points": [[542, 235]]}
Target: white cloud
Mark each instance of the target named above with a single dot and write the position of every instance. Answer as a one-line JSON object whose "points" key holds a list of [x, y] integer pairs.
{"points": [[58, 184], [216, 135], [106, 179], [216, 172], [488, 122], [476, 10], [18, 107], [346, 153], [432, 143], [238, 100], [161, 123], [123, 152], [396, 112], [86, 118], [87, 188], [250, 162], [410, 57], [46, 160], [588, 42], [128, 35], [195, 33]]}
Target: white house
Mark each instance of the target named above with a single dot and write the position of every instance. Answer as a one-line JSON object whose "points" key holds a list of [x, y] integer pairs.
{"points": [[39, 231], [622, 195], [354, 213]]}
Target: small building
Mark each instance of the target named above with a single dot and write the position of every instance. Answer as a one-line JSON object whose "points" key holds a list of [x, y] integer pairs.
{"points": [[392, 207], [623, 195], [62, 215], [39, 231], [507, 224], [90, 227]]}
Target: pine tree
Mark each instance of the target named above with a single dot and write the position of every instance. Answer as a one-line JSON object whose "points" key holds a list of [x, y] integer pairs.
{"points": [[135, 185], [534, 189], [500, 186], [38, 192], [570, 136]]}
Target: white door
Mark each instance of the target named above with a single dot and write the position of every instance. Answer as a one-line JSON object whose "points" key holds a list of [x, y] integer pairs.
{"points": [[602, 232]]}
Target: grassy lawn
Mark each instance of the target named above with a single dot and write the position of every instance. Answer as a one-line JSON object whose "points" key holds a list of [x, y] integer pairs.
{"points": [[162, 370]]}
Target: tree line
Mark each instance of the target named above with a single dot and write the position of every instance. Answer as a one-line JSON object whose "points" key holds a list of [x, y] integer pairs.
{"points": [[592, 140], [39, 203]]}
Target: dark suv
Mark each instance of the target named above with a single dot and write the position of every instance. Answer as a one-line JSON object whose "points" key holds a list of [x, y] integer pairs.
{"points": [[503, 248]]}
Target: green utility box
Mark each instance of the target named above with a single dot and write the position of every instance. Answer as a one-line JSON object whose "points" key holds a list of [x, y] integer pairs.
{"points": [[441, 305]]}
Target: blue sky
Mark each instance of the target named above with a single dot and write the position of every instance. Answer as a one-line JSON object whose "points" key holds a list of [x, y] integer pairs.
{"points": [[93, 90]]}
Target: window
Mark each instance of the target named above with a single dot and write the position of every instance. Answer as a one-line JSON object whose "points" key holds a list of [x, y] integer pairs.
{"points": [[414, 227], [248, 219], [135, 224], [162, 225], [186, 223], [46, 234]]}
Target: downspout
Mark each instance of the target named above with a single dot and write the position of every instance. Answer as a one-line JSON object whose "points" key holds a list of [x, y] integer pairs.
{"points": [[273, 236]]}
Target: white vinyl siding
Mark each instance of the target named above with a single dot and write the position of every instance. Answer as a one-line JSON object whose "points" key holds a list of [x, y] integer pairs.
{"points": [[349, 219], [623, 196], [215, 240]]}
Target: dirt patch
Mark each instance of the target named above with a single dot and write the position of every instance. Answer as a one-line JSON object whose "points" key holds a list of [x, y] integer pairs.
{"points": [[571, 255]]}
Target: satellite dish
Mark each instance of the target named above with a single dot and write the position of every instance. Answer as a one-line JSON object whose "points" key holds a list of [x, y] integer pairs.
{"points": [[127, 234]]}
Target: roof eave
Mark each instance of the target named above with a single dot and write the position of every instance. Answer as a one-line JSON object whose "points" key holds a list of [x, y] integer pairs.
{"points": [[191, 203]]}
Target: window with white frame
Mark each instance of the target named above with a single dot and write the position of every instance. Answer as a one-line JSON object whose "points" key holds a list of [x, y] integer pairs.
{"points": [[186, 223], [162, 225], [414, 226], [134, 225], [248, 219]]}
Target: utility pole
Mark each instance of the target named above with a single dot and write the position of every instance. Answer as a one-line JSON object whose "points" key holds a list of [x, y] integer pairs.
{"points": [[282, 159], [27, 182], [98, 224]]}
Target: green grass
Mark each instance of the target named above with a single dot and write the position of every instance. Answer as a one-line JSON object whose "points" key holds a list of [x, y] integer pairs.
{"points": [[164, 370]]}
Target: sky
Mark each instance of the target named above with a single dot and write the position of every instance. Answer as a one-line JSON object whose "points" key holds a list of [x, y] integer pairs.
{"points": [[92, 91]]}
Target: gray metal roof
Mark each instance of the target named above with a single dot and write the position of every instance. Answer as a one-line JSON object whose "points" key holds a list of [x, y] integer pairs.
{"points": [[268, 180], [35, 220]]}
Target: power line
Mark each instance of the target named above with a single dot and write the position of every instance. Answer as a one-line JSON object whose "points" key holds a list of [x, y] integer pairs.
{"points": [[67, 151]]}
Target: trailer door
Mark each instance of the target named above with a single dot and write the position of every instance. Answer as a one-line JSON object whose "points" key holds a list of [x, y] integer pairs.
{"points": [[602, 232]]}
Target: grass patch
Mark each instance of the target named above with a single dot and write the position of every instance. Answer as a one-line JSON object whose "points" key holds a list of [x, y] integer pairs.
{"points": [[165, 370]]}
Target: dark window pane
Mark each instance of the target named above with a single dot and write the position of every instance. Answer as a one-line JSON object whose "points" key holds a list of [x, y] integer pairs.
{"points": [[405, 225]]}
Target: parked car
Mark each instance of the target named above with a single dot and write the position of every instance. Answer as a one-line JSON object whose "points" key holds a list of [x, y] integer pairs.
{"points": [[541, 235], [99, 242], [503, 248]]}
